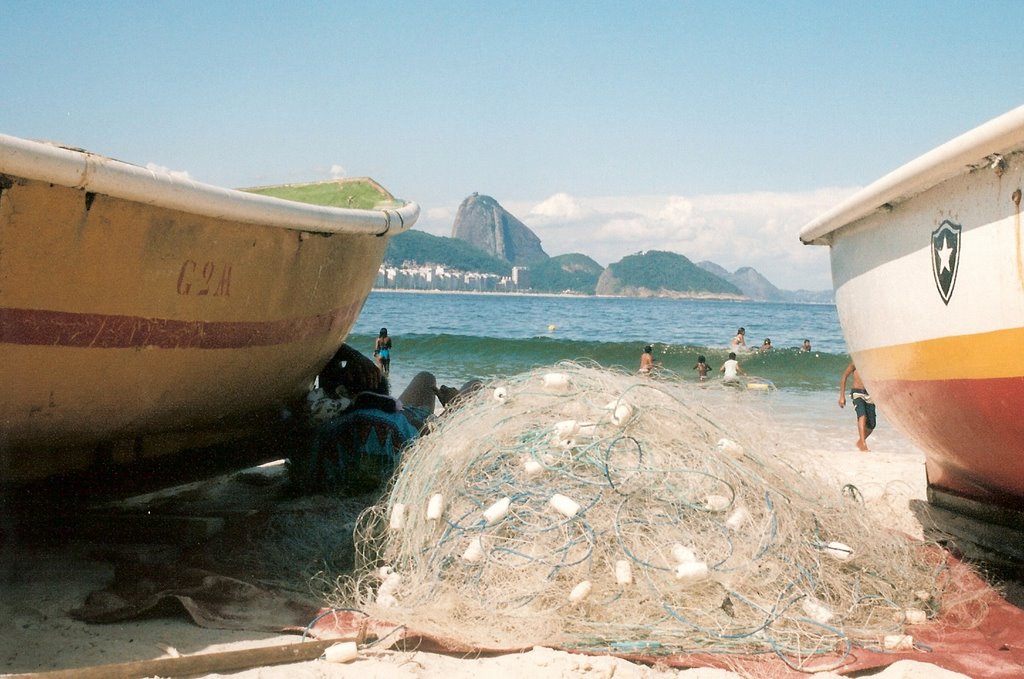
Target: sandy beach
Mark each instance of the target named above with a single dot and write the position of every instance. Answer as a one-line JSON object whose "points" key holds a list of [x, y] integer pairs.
{"points": [[45, 579], [234, 575]]}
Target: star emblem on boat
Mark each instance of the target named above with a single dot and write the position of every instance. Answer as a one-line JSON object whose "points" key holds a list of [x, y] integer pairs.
{"points": [[944, 254], [945, 251]]}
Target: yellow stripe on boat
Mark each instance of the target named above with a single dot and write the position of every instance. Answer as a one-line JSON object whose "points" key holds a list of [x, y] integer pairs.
{"points": [[986, 355]]}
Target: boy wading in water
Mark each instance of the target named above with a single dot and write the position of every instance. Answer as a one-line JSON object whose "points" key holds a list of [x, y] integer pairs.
{"points": [[861, 402], [702, 368]]}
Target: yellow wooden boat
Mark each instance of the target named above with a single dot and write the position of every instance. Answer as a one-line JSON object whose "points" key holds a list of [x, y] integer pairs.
{"points": [[140, 312]]}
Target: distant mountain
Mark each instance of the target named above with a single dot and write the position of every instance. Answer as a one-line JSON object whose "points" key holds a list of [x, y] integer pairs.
{"points": [[663, 274], [811, 296], [758, 288], [423, 248], [488, 239], [754, 285], [483, 223], [719, 271], [574, 272]]}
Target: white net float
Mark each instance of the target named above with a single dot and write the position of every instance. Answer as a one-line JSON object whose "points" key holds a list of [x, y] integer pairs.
{"points": [[556, 382], [475, 551], [717, 503], [692, 572], [564, 505], [342, 652], [497, 511], [397, 516], [435, 507], [580, 591], [623, 572], [816, 610], [838, 551], [683, 554], [898, 642], [566, 429], [739, 516]]}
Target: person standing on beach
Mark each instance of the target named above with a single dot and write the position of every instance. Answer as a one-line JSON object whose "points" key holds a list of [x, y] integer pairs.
{"points": [[731, 369], [861, 402], [382, 351]]}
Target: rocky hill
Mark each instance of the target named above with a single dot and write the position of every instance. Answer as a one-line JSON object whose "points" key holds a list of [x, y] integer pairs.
{"points": [[749, 281], [421, 248], [488, 239], [758, 288], [482, 222], [566, 273], [663, 274]]}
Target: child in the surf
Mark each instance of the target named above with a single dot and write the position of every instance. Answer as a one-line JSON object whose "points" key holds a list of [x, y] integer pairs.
{"points": [[382, 351]]}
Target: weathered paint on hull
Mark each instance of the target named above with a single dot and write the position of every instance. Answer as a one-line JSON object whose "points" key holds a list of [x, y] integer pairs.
{"points": [[937, 330], [122, 320]]}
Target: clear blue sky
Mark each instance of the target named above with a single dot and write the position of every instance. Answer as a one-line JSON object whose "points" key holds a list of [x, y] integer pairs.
{"points": [[713, 129]]}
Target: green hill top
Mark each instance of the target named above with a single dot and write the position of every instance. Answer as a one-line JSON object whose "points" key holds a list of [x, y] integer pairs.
{"points": [[661, 273]]}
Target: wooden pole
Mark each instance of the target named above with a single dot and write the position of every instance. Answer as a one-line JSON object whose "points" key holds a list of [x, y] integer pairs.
{"points": [[190, 665]]}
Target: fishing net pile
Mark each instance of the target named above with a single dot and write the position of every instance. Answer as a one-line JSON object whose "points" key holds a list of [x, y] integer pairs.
{"points": [[602, 511]]}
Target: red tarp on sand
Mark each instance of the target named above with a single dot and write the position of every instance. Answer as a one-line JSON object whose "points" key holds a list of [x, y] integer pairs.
{"points": [[989, 648], [982, 637]]}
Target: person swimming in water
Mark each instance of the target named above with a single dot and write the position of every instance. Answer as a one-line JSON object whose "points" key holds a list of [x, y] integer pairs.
{"points": [[739, 342]]}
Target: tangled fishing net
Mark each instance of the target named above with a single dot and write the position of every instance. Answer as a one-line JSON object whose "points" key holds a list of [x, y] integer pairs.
{"points": [[596, 510]]}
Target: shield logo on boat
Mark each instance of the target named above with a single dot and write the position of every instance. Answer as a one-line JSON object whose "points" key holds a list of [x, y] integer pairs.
{"points": [[946, 257]]}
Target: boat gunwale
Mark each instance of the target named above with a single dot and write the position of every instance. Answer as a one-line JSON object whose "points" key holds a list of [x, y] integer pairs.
{"points": [[94, 173], [999, 136]]}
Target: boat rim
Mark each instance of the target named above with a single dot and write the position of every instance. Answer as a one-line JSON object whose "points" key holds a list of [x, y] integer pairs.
{"points": [[80, 169], [983, 146]]}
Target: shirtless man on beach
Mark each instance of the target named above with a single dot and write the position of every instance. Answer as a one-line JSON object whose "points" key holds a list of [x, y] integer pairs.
{"points": [[862, 403]]}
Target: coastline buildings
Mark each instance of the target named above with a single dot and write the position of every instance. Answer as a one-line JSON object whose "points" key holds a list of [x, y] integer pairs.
{"points": [[438, 277]]}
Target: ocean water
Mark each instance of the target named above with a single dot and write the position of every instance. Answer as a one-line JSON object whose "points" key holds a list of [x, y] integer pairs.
{"points": [[461, 336]]}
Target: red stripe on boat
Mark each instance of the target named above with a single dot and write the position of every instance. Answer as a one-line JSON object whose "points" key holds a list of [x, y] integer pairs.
{"points": [[109, 331], [972, 430]]}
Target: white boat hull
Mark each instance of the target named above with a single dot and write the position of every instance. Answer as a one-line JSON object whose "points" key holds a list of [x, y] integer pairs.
{"points": [[928, 269]]}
